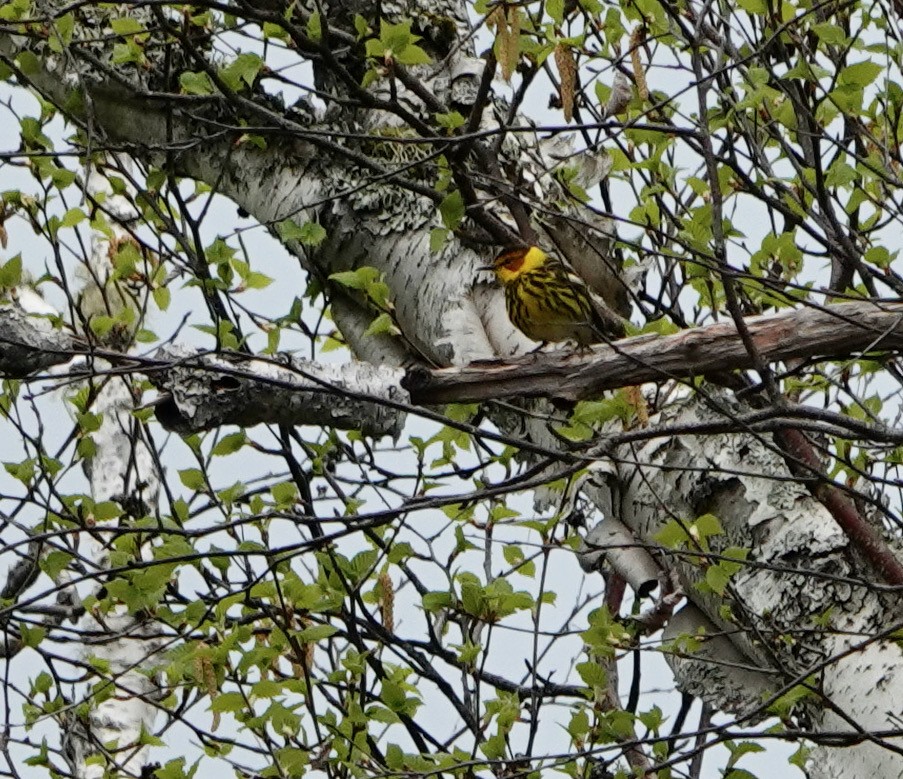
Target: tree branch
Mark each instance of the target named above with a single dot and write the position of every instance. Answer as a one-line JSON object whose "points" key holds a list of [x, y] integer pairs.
{"points": [[206, 391], [833, 331]]}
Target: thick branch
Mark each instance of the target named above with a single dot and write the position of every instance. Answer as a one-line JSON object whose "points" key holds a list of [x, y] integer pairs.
{"points": [[834, 331], [204, 391], [207, 391], [29, 344]]}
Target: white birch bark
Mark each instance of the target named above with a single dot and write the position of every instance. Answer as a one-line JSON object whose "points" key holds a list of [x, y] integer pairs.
{"points": [[807, 609], [123, 470], [127, 644]]}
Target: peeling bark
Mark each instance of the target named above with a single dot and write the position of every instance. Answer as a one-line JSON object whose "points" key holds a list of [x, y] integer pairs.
{"points": [[204, 392], [803, 570], [29, 343]]}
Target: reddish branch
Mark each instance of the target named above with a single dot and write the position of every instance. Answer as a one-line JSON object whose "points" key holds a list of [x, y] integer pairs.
{"points": [[803, 461]]}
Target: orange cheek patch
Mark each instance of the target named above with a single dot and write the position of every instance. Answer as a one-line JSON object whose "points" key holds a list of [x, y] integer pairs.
{"points": [[514, 264]]}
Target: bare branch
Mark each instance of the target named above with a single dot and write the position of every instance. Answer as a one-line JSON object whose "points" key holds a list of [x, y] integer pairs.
{"points": [[834, 331]]}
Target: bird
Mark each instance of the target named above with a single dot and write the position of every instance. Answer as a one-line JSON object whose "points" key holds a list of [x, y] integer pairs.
{"points": [[548, 302]]}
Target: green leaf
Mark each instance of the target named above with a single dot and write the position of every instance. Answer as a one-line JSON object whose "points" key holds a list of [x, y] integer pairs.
{"points": [[672, 535], [829, 33], [393, 695], [592, 674], [743, 748], [146, 738], [413, 55], [86, 448], [578, 727], [494, 747], [33, 135], [28, 63], [15, 9], [315, 26], [383, 715], [500, 511], [127, 25], [859, 75], [438, 238], [23, 472], [382, 325], [255, 280], [366, 279], [241, 72], [193, 479], [42, 683], [354, 279], [102, 325], [51, 465], [228, 701], [31, 636], [285, 493], [434, 601], [450, 121], [361, 27], [513, 554], [229, 444], [451, 210], [652, 719], [800, 757], [175, 769], [739, 773], [195, 83], [266, 688], [841, 174], [316, 633], [11, 272], [717, 578], [783, 705], [734, 553], [162, 297], [879, 256], [64, 27], [399, 552], [106, 511], [310, 233], [273, 30], [396, 41], [708, 525], [180, 511], [73, 217], [127, 52], [55, 562]]}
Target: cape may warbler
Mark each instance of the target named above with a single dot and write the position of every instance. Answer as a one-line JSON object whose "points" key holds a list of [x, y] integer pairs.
{"points": [[547, 302]]}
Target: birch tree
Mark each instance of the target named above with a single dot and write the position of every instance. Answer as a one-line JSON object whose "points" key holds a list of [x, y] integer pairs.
{"points": [[286, 492]]}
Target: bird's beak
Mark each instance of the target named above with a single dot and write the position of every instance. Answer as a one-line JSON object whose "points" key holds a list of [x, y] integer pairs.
{"points": [[487, 267]]}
